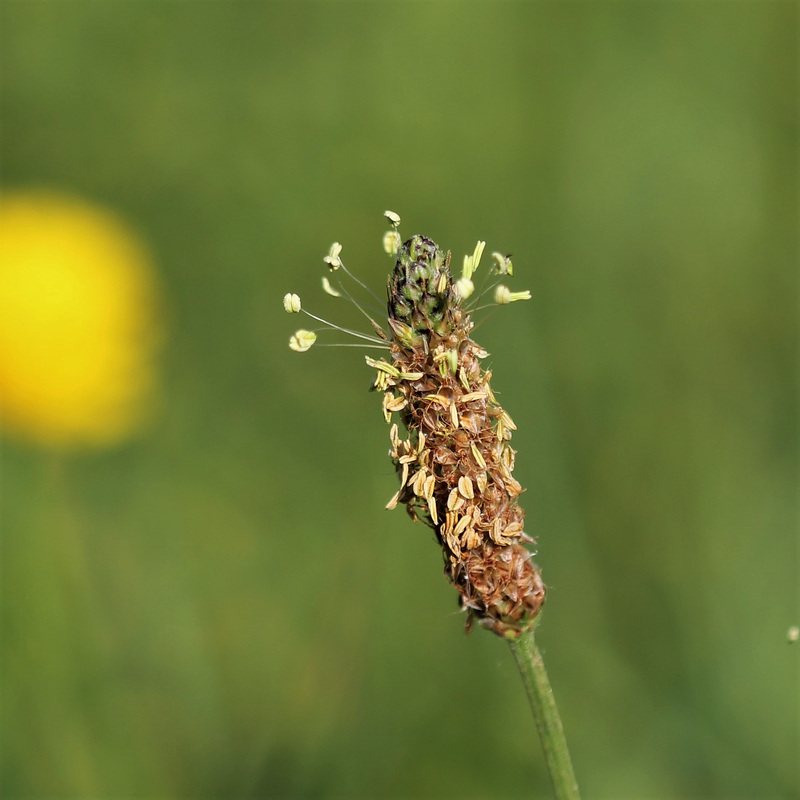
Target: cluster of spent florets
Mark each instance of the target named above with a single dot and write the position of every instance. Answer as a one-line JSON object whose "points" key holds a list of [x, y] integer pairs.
{"points": [[455, 464]]}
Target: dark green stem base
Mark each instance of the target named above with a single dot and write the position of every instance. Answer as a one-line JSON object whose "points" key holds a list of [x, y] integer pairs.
{"points": [[545, 712]]}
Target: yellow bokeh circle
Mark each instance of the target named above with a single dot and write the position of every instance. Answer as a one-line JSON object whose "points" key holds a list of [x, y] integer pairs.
{"points": [[78, 322]]}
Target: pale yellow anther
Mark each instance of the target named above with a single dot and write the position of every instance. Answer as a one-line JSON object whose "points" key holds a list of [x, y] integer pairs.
{"points": [[332, 259], [466, 270], [454, 500], [391, 242], [387, 398], [513, 487], [496, 532], [465, 487], [326, 286], [454, 415], [453, 544], [504, 266], [472, 539], [503, 295], [470, 396], [462, 525], [291, 303], [383, 366], [437, 398], [417, 483], [432, 509], [507, 421], [394, 219], [476, 454], [476, 256], [471, 262], [393, 502], [410, 376], [397, 403], [302, 340]]}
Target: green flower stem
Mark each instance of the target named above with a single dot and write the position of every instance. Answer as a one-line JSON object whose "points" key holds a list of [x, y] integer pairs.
{"points": [[545, 712]]}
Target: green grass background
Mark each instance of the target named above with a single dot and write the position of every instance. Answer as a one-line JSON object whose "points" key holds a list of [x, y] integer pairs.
{"points": [[223, 608]]}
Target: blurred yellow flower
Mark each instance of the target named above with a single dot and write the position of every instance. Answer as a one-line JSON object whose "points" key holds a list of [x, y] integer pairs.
{"points": [[78, 323]]}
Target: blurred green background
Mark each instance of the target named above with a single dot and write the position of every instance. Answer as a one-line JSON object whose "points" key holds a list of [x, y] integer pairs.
{"points": [[222, 607]]}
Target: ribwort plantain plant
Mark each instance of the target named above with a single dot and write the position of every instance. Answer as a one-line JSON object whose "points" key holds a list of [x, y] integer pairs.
{"points": [[453, 456]]}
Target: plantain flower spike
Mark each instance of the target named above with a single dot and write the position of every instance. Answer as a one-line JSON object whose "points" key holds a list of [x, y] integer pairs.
{"points": [[454, 459], [455, 465]]}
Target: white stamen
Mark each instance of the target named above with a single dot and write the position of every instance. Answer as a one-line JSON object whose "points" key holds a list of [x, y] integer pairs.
{"points": [[464, 287], [504, 266], [332, 259], [291, 303], [391, 242], [302, 340], [326, 286], [503, 295]]}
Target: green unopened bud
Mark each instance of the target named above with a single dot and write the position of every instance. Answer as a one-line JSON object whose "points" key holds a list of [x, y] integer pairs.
{"points": [[420, 287], [404, 334]]}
